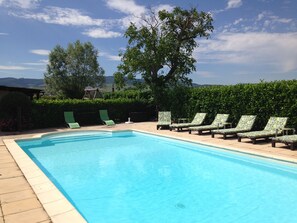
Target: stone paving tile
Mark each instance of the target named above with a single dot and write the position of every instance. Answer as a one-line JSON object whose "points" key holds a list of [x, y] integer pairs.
{"points": [[43, 188], [8, 172], [295, 155], [3, 151], [20, 206], [13, 185], [31, 216], [50, 196], [70, 216], [58, 207], [7, 165], [16, 196], [6, 159]]}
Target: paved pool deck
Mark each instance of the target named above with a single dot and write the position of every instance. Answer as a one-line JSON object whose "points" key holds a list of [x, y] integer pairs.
{"points": [[24, 198]]}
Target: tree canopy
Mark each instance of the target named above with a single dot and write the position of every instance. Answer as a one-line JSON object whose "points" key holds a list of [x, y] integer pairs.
{"points": [[72, 69], [161, 49]]}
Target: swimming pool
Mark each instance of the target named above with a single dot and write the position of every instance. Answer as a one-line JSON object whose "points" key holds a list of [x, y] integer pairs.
{"points": [[135, 177]]}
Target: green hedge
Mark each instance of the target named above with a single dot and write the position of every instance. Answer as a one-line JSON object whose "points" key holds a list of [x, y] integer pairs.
{"points": [[50, 113], [131, 94], [265, 99], [277, 98], [15, 112]]}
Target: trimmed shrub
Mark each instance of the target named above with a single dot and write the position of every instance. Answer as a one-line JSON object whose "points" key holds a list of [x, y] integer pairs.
{"points": [[277, 98], [50, 113], [15, 112], [131, 94]]}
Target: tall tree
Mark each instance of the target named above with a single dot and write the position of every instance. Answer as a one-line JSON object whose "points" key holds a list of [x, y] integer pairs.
{"points": [[70, 70], [160, 50]]}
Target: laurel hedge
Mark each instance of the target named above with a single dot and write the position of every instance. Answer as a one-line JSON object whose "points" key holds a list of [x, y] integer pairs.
{"points": [[130, 93], [265, 99], [15, 112], [50, 113]]}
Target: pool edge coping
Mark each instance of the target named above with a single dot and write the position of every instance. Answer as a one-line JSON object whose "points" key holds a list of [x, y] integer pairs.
{"points": [[56, 204], [52, 200], [228, 148]]}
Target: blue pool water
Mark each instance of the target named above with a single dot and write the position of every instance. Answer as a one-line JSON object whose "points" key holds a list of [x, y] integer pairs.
{"points": [[130, 177]]}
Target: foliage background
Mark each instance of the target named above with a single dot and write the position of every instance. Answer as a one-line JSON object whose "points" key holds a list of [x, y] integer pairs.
{"points": [[50, 113], [71, 69], [161, 49], [264, 99], [15, 112]]}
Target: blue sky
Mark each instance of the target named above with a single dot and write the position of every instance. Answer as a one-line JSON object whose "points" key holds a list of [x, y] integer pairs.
{"points": [[253, 40]]}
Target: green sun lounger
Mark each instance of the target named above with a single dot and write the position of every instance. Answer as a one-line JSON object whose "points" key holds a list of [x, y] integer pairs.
{"points": [[198, 120], [105, 118], [218, 123], [245, 124], [164, 119], [69, 119], [290, 140], [273, 127]]}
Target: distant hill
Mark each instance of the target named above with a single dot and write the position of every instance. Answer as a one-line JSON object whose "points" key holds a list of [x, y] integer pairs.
{"points": [[39, 83], [34, 83], [22, 82]]}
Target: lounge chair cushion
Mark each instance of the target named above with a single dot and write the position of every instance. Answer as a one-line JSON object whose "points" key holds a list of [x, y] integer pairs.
{"points": [[258, 134], [290, 140], [286, 139], [109, 122], [217, 123], [245, 124], [73, 125], [228, 131], [69, 119], [164, 118], [105, 118], [273, 127], [207, 127], [198, 120], [276, 123]]}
